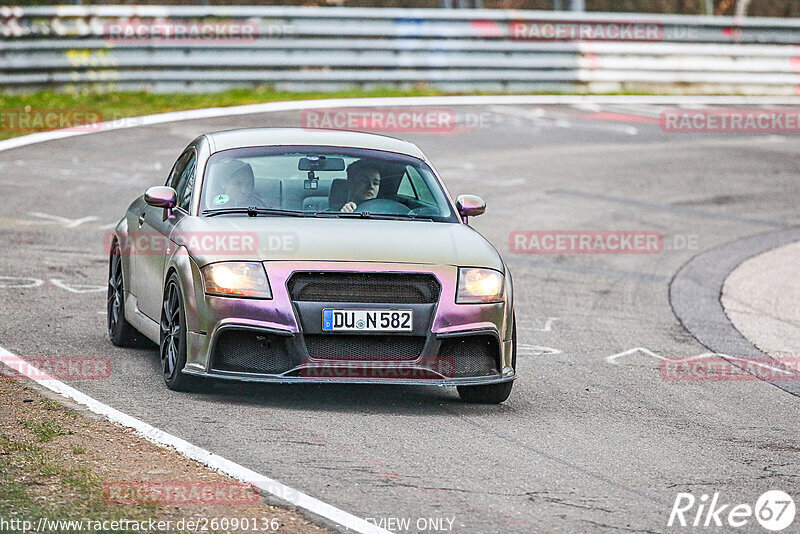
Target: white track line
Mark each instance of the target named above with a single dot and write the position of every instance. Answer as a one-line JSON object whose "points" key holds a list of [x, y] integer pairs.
{"points": [[219, 463], [163, 439]]}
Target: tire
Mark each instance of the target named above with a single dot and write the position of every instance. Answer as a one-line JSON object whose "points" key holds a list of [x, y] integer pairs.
{"points": [[172, 340], [493, 393], [120, 331]]}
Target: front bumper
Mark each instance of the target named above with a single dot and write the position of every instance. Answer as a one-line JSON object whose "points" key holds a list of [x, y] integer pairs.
{"points": [[451, 336]]}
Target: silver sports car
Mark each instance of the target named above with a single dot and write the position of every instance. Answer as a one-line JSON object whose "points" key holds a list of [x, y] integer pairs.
{"points": [[298, 255]]}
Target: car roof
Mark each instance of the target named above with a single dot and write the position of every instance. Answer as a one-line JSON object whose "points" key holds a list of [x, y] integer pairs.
{"points": [[247, 137]]}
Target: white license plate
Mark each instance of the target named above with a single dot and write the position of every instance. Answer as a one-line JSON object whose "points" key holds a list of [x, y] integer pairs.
{"points": [[367, 320]]}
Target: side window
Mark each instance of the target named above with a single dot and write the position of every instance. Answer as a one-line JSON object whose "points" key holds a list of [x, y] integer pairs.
{"points": [[405, 188], [187, 183], [419, 185], [182, 178]]}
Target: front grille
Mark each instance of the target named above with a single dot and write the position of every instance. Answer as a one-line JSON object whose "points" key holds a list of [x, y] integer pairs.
{"points": [[380, 288], [246, 351], [363, 347], [471, 355]]}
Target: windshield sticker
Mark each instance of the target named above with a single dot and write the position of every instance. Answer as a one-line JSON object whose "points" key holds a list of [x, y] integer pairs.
{"points": [[221, 199]]}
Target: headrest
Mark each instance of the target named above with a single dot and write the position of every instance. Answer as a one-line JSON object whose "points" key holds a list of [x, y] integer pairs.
{"points": [[236, 168], [339, 194]]}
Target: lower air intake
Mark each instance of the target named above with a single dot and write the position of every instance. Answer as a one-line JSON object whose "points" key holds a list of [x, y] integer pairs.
{"points": [[471, 355], [363, 347], [245, 351]]}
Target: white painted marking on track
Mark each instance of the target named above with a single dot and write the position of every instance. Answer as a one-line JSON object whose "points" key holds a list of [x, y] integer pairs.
{"points": [[56, 219], [614, 357], [536, 350], [163, 439], [19, 282], [77, 288], [548, 325]]}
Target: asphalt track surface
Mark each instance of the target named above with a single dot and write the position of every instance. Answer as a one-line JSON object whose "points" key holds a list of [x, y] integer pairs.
{"points": [[582, 444]]}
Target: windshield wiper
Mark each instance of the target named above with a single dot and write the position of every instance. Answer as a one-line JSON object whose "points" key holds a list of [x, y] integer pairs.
{"points": [[254, 212], [369, 215], [345, 214]]}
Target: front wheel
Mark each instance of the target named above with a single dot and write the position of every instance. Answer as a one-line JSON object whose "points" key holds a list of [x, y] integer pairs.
{"points": [[172, 346], [488, 394]]}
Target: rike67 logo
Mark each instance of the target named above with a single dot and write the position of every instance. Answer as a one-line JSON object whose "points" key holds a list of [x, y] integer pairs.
{"points": [[774, 510]]}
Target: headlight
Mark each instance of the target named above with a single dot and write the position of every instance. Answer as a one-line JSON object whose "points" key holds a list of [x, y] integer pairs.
{"points": [[234, 279], [479, 285]]}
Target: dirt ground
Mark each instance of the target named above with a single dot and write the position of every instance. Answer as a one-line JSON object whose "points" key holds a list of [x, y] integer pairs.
{"points": [[59, 462]]}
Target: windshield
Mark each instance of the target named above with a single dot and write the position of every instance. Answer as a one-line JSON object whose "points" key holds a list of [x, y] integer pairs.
{"points": [[329, 181]]}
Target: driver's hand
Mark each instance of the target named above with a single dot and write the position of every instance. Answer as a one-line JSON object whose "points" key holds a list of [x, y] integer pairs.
{"points": [[349, 207]]}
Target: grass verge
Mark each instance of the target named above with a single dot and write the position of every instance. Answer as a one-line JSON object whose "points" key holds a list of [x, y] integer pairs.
{"points": [[117, 105]]}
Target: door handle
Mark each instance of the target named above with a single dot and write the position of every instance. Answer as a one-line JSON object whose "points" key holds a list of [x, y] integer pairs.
{"points": [[141, 219]]}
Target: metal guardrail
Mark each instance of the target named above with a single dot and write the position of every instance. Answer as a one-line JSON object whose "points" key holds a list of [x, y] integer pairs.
{"points": [[327, 48]]}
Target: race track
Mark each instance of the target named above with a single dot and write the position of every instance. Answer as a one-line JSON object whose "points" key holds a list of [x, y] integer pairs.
{"points": [[585, 441]]}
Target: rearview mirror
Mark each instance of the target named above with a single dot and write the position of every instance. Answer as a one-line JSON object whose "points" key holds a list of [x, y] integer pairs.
{"points": [[320, 163], [470, 206], [161, 197]]}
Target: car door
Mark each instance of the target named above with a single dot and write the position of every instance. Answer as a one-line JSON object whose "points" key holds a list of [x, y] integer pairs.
{"points": [[157, 229]]}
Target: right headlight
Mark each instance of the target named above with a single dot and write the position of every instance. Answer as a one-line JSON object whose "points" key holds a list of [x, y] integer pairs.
{"points": [[236, 279], [479, 286]]}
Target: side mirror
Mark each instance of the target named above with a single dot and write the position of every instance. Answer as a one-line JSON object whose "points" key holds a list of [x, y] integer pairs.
{"points": [[470, 206], [162, 197]]}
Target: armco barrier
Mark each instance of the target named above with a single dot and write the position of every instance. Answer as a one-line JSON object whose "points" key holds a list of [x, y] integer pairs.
{"points": [[329, 48]]}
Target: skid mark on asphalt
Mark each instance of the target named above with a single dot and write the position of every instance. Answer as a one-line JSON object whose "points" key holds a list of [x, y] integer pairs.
{"points": [[664, 207]]}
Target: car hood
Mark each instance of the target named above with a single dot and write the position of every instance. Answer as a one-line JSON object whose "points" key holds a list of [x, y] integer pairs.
{"points": [[330, 239]]}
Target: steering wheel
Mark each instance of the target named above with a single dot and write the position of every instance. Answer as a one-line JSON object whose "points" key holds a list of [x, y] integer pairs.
{"points": [[383, 206]]}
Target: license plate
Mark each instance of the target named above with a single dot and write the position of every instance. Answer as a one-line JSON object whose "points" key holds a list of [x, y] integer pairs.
{"points": [[367, 320]]}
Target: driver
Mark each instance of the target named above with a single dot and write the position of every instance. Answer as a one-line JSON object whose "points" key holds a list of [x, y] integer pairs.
{"points": [[237, 185], [363, 183]]}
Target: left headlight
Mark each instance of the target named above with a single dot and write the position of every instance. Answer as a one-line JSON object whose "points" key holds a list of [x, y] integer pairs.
{"points": [[236, 279], [479, 286]]}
